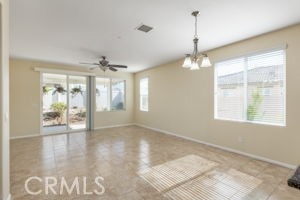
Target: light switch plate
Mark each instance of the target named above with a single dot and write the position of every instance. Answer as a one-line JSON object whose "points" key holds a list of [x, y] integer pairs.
{"points": [[6, 117]]}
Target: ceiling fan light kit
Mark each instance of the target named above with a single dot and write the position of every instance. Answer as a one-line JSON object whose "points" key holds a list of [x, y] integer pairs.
{"points": [[104, 65], [191, 60]]}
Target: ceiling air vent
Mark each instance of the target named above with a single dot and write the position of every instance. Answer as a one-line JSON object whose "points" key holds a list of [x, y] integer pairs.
{"points": [[144, 28]]}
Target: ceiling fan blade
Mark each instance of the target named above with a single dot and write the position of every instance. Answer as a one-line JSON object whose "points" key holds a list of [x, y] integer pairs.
{"points": [[83, 63], [113, 69], [93, 68], [118, 66]]}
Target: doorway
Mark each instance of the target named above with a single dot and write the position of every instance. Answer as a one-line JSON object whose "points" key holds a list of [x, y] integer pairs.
{"points": [[65, 105]]}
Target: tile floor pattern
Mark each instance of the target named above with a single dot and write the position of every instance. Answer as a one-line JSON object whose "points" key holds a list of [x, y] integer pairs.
{"points": [[119, 155]]}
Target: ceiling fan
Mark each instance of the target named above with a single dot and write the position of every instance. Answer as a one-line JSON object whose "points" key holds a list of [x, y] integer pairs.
{"points": [[104, 65]]}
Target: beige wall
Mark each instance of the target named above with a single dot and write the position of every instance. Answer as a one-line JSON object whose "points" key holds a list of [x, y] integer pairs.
{"points": [[182, 101], [4, 100], [25, 97]]}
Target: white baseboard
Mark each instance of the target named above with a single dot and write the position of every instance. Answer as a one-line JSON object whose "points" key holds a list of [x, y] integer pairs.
{"points": [[24, 136], [113, 126], [64, 132], [290, 166]]}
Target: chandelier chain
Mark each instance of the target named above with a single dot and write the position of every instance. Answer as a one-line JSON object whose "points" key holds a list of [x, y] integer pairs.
{"points": [[196, 28]]}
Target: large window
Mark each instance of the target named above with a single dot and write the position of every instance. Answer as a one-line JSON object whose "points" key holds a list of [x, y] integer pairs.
{"points": [[251, 88], [110, 94], [144, 94]]}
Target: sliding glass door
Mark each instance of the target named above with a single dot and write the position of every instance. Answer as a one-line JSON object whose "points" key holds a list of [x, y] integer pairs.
{"points": [[64, 103], [77, 102], [54, 104]]}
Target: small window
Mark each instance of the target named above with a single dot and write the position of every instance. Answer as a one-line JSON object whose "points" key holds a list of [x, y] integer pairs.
{"points": [[144, 101], [252, 88], [110, 94]]}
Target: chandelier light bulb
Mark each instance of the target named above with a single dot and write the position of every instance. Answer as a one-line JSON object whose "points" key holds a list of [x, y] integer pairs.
{"points": [[195, 66], [205, 62], [187, 61]]}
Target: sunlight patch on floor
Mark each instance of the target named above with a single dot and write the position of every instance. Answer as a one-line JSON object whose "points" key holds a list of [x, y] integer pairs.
{"points": [[171, 173], [234, 185], [187, 179]]}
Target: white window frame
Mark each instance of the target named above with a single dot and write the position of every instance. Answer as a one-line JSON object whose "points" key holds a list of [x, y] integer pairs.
{"points": [[246, 56], [110, 93], [140, 105]]}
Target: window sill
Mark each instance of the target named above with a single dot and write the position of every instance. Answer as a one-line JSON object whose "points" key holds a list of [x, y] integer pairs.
{"points": [[251, 122], [107, 111]]}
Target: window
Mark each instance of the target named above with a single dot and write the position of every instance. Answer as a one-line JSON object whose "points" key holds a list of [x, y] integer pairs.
{"points": [[110, 94], [103, 94], [144, 102], [251, 88], [118, 94]]}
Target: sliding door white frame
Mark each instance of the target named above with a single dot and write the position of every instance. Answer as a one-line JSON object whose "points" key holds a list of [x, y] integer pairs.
{"points": [[89, 116]]}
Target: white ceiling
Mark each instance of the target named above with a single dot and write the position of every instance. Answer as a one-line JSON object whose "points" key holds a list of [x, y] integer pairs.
{"points": [[69, 31]]}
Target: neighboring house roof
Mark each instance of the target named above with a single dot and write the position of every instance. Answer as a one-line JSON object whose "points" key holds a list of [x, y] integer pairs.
{"points": [[256, 75]]}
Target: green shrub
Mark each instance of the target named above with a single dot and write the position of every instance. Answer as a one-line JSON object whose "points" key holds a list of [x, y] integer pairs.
{"points": [[253, 108], [60, 108]]}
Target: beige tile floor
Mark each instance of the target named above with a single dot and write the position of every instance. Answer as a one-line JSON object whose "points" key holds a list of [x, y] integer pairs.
{"points": [[123, 155]]}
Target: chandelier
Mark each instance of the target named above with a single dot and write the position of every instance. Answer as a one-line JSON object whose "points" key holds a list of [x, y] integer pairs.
{"points": [[191, 60]]}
